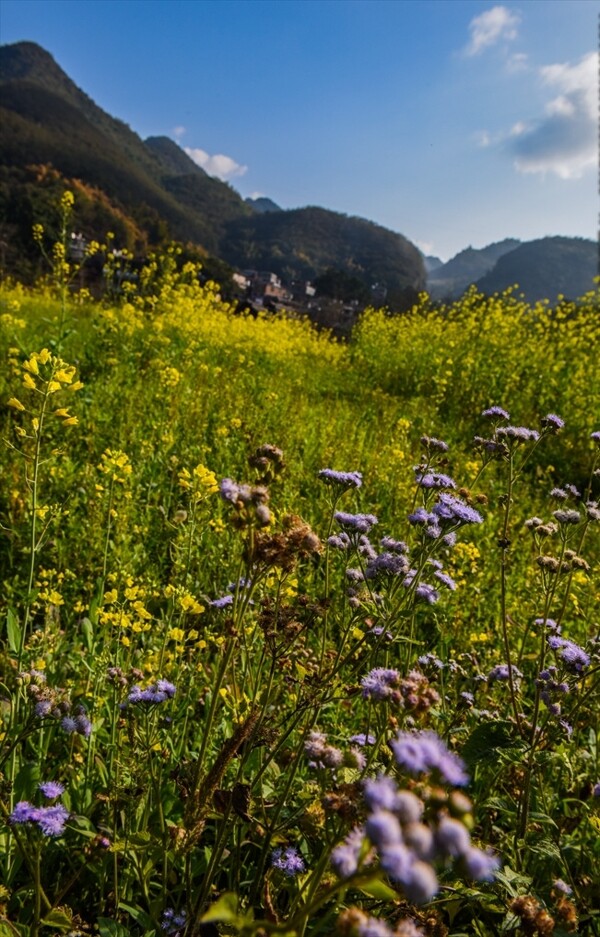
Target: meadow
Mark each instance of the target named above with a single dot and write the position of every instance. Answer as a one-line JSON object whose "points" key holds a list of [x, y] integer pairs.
{"points": [[299, 637]]}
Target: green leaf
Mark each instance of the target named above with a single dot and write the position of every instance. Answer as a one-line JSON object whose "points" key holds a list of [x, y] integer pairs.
{"points": [[376, 888], [9, 930], [58, 917], [485, 740], [140, 917], [13, 631], [109, 928], [225, 910], [88, 633]]}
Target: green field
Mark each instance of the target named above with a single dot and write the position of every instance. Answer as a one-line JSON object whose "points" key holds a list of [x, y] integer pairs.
{"points": [[197, 797]]}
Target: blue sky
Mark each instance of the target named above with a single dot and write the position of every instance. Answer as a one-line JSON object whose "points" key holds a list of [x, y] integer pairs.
{"points": [[454, 122]]}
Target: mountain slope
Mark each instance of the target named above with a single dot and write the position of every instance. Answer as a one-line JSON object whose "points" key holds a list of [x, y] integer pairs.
{"points": [[546, 268], [297, 244], [452, 278]]}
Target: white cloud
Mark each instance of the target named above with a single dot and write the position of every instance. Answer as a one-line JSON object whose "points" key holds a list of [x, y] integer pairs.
{"points": [[517, 62], [482, 138], [178, 131], [219, 165], [426, 247], [564, 140], [491, 27]]}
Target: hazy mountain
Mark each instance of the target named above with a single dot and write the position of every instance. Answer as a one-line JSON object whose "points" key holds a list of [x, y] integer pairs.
{"points": [[431, 263], [451, 279], [546, 268], [54, 135], [262, 204]]}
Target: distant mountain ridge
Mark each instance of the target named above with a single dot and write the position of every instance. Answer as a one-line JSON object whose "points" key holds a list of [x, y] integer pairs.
{"points": [[467, 267], [151, 191], [545, 269]]}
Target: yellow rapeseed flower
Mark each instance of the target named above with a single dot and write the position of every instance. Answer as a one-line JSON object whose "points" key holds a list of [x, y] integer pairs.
{"points": [[13, 402]]}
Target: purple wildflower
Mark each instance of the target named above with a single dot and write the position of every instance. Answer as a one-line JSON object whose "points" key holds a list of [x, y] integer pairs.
{"points": [[421, 884], [339, 541], [559, 493], [452, 510], [562, 886], [173, 922], [289, 861], [362, 739], [595, 435], [355, 523], [424, 752], [380, 793], [52, 820], [421, 516], [43, 708], [426, 593], [383, 829], [480, 865], [572, 654], [434, 480], [341, 479], [397, 861], [552, 422], [380, 683], [452, 837], [567, 516], [158, 692], [223, 602], [391, 564], [496, 413], [344, 857], [24, 812], [431, 443], [519, 433], [393, 546], [503, 672], [596, 790], [445, 579], [51, 789]]}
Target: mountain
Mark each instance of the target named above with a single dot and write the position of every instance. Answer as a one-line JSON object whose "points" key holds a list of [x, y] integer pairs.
{"points": [[431, 263], [149, 192], [545, 269], [299, 243], [451, 279], [262, 204]]}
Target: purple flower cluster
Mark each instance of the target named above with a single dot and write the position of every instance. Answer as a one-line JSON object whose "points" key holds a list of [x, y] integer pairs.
{"points": [[518, 433], [434, 445], [431, 479], [78, 723], [50, 820], [289, 861], [551, 690], [355, 523], [496, 413], [552, 422], [323, 755], [503, 672], [158, 692], [381, 684], [407, 844], [425, 753], [572, 655], [342, 480], [173, 922]]}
